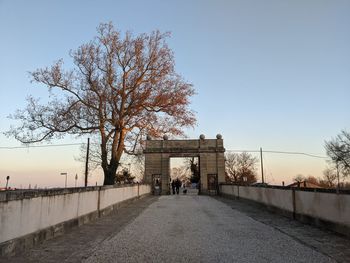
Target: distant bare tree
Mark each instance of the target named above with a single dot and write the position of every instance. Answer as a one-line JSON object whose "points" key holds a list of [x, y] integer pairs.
{"points": [[94, 156], [329, 177], [121, 89], [194, 167], [299, 178], [338, 149], [241, 168], [231, 166], [138, 163], [312, 179], [182, 173]]}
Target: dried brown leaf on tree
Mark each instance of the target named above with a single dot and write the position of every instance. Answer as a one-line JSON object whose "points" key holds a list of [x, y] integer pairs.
{"points": [[120, 89]]}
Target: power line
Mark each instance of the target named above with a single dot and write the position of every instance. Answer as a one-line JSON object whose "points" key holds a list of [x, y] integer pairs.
{"points": [[75, 144], [39, 146], [299, 153], [280, 152]]}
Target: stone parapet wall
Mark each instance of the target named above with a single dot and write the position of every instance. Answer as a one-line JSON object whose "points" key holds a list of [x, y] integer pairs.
{"points": [[29, 217], [325, 209]]}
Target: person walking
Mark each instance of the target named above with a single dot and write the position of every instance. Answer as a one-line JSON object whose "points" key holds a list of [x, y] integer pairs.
{"points": [[177, 185], [173, 185]]}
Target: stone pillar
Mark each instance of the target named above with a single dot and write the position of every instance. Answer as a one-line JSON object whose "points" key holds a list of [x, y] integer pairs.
{"points": [[165, 163], [203, 172], [152, 166], [221, 167]]}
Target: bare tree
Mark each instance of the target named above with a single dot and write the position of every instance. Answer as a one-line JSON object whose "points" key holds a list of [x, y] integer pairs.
{"points": [[241, 168], [121, 88], [135, 160], [182, 173], [94, 156], [338, 149], [231, 166], [139, 167], [312, 180], [193, 165], [329, 177], [299, 178], [309, 181]]}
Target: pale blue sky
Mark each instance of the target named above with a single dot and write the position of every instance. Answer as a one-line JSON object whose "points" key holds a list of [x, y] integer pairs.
{"points": [[271, 74]]}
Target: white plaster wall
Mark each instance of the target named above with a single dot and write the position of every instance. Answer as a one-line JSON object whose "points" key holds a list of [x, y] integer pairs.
{"points": [[251, 193], [112, 196], [279, 198], [87, 202], [144, 189], [25, 216], [327, 206], [229, 189], [21, 217]]}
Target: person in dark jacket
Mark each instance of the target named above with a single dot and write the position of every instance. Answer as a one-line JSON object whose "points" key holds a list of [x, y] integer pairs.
{"points": [[173, 185], [177, 185]]}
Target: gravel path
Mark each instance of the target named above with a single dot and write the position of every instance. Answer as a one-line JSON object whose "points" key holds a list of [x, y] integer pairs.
{"points": [[324, 241], [80, 242], [200, 229]]}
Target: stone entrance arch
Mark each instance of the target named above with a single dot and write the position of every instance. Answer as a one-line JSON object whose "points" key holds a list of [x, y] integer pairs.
{"points": [[210, 153]]}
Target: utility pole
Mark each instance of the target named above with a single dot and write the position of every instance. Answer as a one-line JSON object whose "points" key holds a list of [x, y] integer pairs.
{"points": [[87, 162], [338, 186], [262, 166]]}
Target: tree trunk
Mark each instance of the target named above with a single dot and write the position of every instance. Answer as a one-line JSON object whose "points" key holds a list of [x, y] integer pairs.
{"points": [[110, 171], [109, 174]]}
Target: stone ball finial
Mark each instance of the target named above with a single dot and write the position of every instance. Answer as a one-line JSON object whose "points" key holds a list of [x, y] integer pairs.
{"points": [[148, 137], [165, 137], [219, 136], [202, 137]]}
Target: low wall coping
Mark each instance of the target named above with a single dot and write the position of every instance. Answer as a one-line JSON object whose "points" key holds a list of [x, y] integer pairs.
{"points": [[319, 190], [11, 195]]}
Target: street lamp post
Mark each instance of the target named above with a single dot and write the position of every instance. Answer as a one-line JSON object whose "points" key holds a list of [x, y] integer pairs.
{"points": [[7, 181], [65, 182], [76, 178]]}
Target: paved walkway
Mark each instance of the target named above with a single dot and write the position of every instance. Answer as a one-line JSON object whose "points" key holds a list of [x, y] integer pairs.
{"points": [[187, 228]]}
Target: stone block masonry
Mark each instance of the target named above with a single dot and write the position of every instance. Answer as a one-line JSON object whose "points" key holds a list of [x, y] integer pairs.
{"points": [[210, 153]]}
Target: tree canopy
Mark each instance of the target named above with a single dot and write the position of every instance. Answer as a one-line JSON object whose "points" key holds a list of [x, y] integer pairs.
{"points": [[195, 173], [240, 168], [338, 149], [121, 88]]}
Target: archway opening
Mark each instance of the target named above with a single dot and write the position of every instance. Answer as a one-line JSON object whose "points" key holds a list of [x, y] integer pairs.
{"points": [[184, 175]]}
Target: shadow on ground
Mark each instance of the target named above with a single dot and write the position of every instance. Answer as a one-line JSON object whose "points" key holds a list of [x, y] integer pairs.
{"points": [[82, 241], [326, 242]]}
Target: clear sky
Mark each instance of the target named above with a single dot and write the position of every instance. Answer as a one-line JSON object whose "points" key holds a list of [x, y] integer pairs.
{"points": [[271, 74]]}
